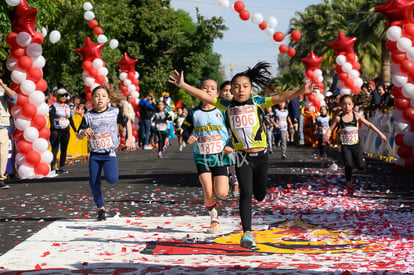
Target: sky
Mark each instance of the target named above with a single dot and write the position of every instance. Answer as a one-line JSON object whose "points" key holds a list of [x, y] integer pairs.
{"points": [[244, 43]]}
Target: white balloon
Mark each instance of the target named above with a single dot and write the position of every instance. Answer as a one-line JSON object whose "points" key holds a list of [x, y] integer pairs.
{"points": [[102, 38], [272, 22], [225, 4], [317, 73], [89, 81], [39, 62], [23, 39], [27, 87], [40, 145], [410, 53], [269, 31], [97, 63], [87, 6], [123, 76], [43, 109], [22, 123], [359, 82], [135, 94], [127, 82], [401, 127], [46, 156], [340, 59], [113, 44], [408, 90], [34, 50], [18, 76], [354, 74], [94, 86], [30, 134], [320, 79], [13, 3], [404, 44], [54, 36], [103, 71], [43, 31], [345, 91], [132, 88], [399, 80], [89, 15], [37, 98], [25, 171], [20, 158], [11, 64], [347, 67], [136, 75], [394, 33], [257, 18]]}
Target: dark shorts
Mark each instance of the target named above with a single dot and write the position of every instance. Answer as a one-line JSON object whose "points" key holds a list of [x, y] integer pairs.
{"points": [[215, 171]]}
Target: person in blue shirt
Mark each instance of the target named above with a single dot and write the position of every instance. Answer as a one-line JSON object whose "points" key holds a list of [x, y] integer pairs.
{"points": [[146, 112]]}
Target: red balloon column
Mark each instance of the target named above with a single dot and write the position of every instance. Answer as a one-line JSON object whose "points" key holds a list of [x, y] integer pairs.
{"points": [[26, 63], [400, 34], [94, 70], [349, 80], [129, 85], [313, 73]]}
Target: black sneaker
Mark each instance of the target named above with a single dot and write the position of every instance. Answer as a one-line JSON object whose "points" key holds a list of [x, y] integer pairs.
{"points": [[3, 185], [61, 171], [101, 215]]}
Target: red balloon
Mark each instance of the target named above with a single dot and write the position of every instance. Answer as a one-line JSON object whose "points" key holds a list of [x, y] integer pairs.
{"points": [[87, 65], [93, 72], [356, 66], [33, 158], [11, 39], [29, 110], [17, 135], [312, 98], [39, 121], [399, 139], [100, 79], [17, 52], [239, 6], [131, 75], [127, 64], [396, 12], [89, 97], [343, 76], [41, 85], [97, 31], [283, 48], [93, 23], [90, 50], [392, 46], [44, 133], [405, 151], [22, 99], [291, 52], [312, 60], [342, 44], [309, 74], [24, 63], [278, 36], [24, 146], [408, 30], [356, 90], [349, 82], [42, 168], [351, 57], [401, 103], [135, 81], [398, 58], [23, 18], [295, 35], [338, 69], [407, 66], [408, 114], [244, 15], [135, 133], [263, 25], [397, 92], [34, 74], [38, 38]]}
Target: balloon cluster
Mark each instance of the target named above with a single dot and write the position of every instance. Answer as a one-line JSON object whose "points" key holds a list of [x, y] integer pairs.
{"points": [[400, 34], [268, 26], [89, 15], [349, 80], [130, 85], [25, 64], [313, 73], [94, 70]]}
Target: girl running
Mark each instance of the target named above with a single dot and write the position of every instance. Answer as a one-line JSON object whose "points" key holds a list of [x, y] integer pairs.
{"points": [[100, 125], [210, 137], [351, 149], [178, 127], [161, 118], [244, 114], [321, 125], [284, 123]]}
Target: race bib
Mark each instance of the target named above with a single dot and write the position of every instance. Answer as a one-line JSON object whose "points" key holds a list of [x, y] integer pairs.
{"points": [[161, 126], [349, 136], [322, 130], [62, 122], [243, 120], [101, 141], [210, 144], [282, 123]]}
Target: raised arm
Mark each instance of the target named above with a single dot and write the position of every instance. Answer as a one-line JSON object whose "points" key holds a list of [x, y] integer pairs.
{"points": [[307, 88], [371, 126], [178, 80]]}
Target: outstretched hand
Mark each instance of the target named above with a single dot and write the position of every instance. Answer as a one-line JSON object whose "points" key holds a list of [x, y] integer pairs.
{"points": [[177, 78]]}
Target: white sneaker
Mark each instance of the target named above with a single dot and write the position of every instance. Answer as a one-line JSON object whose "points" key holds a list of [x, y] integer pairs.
{"points": [[214, 223]]}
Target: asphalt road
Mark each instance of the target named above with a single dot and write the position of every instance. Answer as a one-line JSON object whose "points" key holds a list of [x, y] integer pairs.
{"points": [[149, 186]]}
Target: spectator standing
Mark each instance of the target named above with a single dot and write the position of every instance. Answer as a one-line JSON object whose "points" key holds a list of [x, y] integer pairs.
{"points": [[6, 95], [146, 112]]}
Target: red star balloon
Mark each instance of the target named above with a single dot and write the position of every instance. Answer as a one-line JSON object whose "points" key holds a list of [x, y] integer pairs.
{"points": [[343, 44], [396, 12], [127, 64], [90, 50], [23, 18], [312, 61]]}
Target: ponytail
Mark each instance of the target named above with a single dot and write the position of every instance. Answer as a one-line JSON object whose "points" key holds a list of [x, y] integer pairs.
{"points": [[259, 75]]}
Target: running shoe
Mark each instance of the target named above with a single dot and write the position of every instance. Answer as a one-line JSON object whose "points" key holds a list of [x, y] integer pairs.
{"points": [[235, 190], [214, 222], [283, 156], [160, 155], [3, 185], [147, 147], [247, 240], [101, 215], [180, 148]]}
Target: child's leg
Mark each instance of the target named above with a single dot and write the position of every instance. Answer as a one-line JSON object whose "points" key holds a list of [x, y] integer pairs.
{"points": [[207, 185], [283, 142], [320, 145], [357, 156], [95, 169], [260, 166], [111, 171], [161, 140], [245, 177], [347, 158]]}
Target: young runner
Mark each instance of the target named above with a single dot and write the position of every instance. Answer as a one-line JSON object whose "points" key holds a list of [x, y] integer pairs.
{"points": [[321, 125], [348, 122], [210, 135], [161, 119], [283, 122], [178, 122], [244, 114], [100, 125]]}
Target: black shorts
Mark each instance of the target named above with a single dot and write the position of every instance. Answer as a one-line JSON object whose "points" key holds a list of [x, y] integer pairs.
{"points": [[215, 171]]}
